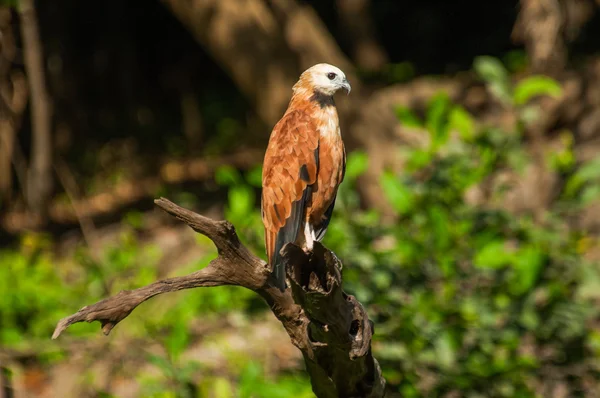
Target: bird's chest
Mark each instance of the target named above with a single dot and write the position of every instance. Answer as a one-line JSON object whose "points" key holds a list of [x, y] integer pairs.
{"points": [[330, 171], [331, 162]]}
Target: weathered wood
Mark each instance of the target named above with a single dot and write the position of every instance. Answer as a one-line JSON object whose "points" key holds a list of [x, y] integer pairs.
{"points": [[331, 328]]}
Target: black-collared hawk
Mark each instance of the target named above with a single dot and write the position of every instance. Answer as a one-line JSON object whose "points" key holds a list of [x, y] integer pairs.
{"points": [[303, 167]]}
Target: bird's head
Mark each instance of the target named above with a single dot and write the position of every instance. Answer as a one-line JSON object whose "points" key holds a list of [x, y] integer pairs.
{"points": [[323, 79]]}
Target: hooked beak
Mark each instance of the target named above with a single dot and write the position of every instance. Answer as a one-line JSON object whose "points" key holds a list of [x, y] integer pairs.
{"points": [[346, 86]]}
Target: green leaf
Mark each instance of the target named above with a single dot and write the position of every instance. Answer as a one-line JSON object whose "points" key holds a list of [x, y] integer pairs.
{"points": [[241, 200], [227, 175], [529, 114], [463, 122], [588, 172], [399, 196], [495, 74], [490, 69], [501, 91], [440, 224], [534, 86], [493, 255], [407, 117], [177, 340], [356, 164], [418, 158], [437, 118], [254, 176], [527, 263], [222, 388], [445, 351], [590, 194]]}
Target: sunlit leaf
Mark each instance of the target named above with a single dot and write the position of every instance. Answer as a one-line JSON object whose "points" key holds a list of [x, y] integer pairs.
{"points": [[463, 122], [533, 86], [588, 172], [241, 200], [590, 194], [437, 118], [445, 350], [490, 69], [440, 224], [356, 164], [254, 176], [398, 195], [493, 255], [495, 75], [418, 158], [222, 388], [527, 263]]}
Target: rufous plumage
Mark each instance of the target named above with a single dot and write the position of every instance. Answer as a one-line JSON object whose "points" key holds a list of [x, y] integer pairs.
{"points": [[303, 167]]}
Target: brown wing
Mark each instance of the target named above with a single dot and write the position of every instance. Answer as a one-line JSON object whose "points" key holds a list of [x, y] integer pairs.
{"points": [[289, 170]]}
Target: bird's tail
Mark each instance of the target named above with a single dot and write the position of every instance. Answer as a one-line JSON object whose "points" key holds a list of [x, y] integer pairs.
{"points": [[279, 273], [278, 266]]}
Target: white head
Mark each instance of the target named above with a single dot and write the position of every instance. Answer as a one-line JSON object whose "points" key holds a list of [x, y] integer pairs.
{"points": [[323, 78]]}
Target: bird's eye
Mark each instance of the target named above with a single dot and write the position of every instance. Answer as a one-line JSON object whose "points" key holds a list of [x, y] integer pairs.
{"points": [[331, 75]]}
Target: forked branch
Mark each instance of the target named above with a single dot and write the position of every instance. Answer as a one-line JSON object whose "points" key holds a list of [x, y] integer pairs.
{"points": [[330, 327]]}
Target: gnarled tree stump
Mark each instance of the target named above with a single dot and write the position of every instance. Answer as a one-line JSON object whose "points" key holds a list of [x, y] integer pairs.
{"points": [[331, 328]]}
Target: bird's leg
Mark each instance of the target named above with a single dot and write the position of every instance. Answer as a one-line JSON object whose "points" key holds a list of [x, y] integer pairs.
{"points": [[309, 237]]}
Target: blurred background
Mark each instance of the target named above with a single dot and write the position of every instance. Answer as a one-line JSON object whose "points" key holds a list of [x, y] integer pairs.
{"points": [[468, 222]]}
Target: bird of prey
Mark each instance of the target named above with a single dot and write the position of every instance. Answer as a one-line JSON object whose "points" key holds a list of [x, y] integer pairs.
{"points": [[304, 164]]}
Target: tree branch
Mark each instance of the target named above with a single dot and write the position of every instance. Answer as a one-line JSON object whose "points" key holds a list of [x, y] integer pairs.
{"points": [[330, 327], [39, 179], [113, 310], [263, 45]]}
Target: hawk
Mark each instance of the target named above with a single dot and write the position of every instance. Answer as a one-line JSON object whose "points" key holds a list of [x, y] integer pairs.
{"points": [[303, 167]]}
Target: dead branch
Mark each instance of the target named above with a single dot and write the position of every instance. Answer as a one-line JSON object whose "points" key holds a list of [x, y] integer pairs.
{"points": [[331, 328], [127, 192]]}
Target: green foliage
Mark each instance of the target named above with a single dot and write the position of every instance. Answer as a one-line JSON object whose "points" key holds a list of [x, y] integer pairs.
{"points": [[243, 199], [36, 289], [533, 86], [467, 298], [584, 183], [495, 74], [23, 311], [492, 71], [254, 384], [463, 295]]}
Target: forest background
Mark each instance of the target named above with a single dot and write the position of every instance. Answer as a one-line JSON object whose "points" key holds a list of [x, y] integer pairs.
{"points": [[468, 222]]}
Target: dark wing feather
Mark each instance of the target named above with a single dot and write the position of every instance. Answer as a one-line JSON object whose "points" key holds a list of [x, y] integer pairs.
{"points": [[288, 234], [289, 171], [321, 229]]}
